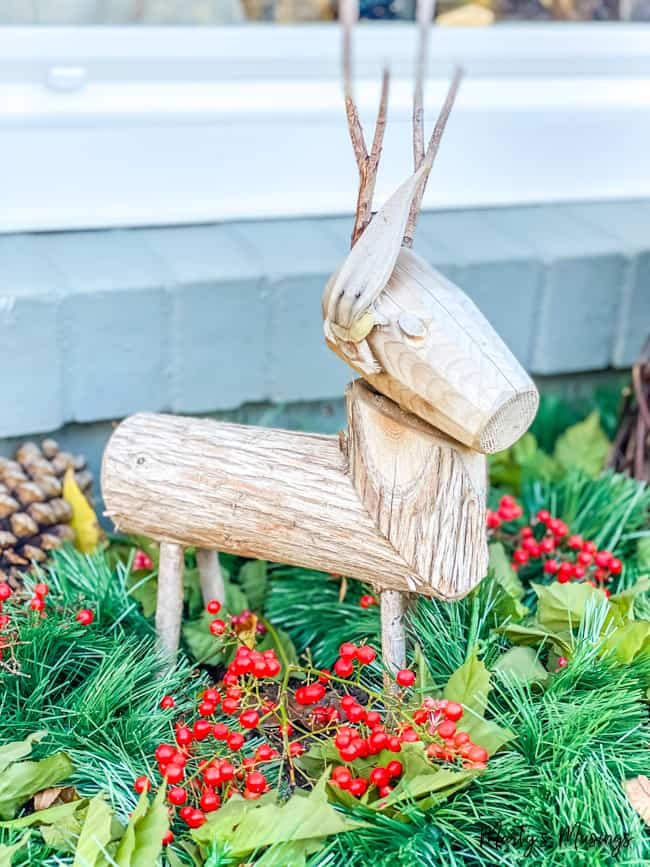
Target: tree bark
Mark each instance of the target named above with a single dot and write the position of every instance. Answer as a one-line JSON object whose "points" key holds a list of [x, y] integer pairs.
{"points": [[169, 605], [212, 586]]}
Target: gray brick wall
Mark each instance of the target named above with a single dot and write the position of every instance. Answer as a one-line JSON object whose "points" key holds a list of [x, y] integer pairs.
{"points": [[96, 325]]}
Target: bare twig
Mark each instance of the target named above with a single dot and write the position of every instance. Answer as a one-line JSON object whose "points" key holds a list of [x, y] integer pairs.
{"points": [[424, 16], [368, 175], [432, 150], [348, 15]]}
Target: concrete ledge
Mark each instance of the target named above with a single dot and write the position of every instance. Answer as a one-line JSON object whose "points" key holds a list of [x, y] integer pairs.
{"points": [[96, 325]]}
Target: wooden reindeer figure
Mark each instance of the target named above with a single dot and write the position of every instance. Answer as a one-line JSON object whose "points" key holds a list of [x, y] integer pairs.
{"points": [[397, 500]]}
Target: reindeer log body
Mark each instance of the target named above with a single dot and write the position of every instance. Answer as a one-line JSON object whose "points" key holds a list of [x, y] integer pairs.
{"points": [[393, 502]]}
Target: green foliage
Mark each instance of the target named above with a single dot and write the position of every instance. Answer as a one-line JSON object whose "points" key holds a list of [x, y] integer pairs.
{"points": [[306, 605], [20, 780]]}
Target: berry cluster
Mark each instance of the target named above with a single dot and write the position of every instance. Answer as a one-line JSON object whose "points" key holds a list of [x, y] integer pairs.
{"points": [[547, 542], [252, 719]]}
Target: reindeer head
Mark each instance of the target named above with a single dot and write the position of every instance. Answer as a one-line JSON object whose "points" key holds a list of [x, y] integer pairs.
{"points": [[410, 332]]}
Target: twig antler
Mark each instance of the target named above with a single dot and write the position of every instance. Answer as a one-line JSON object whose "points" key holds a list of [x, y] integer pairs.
{"points": [[367, 163], [424, 16]]}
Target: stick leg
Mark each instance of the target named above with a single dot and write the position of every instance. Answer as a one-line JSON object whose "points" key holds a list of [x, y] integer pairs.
{"points": [[212, 586], [169, 607], [393, 636]]}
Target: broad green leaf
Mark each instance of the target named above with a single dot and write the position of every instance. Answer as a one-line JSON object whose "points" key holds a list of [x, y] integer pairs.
{"points": [[584, 446], [292, 854], [442, 781], [247, 828], [254, 579], [150, 831], [206, 648], [16, 750], [142, 840], [7, 852], [562, 606], [46, 817], [280, 641], [522, 665], [623, 602], [96, 834], [469, 685], [533, 634], [504, 574], [629, 640], [21, 780]]}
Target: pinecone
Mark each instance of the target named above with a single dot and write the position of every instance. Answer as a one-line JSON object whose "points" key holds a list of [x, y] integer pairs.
{"points": [[34, 517]]}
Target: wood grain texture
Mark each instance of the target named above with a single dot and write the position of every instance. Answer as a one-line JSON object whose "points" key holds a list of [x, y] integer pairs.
{"points": [[288, 497], [393, 634], [433, 352], [211, 577], [425, 493], [169, 604]]}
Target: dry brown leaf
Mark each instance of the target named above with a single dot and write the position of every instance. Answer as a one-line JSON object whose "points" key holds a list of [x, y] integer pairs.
{"points": [[638, 794], [56, 795]]}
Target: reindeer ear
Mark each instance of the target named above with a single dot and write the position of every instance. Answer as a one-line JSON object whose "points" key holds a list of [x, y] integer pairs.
{"points": [[357, 283]]}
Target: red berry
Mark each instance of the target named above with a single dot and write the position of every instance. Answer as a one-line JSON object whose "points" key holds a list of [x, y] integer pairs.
{"points": [[164, 752], [174, 773], [210, 801], [584, 558], [379, 777], [168, 837], [342, 777], [249, 719], [201, 729], [366, 655], [212, 695], [217, 627], [578, 571], [177, 796], [213, 606], [355, 713], [344, 667], [453, 711], [589, 546], [447, 729], [461, 738], [235, 741], [206, 708], [41, 589], [211, 775], [405, 677], [520, 556], [373, 718], [477, 754], [547, 545], [142, 784], [603, 559], [562, 662], [394, 768], [226, 770], [296, 749], [37, 604], [230, 705], [184, 812], [220, 731], [409, 736], [195, 819], [601, 575], [575, 542], [493, 520], [5, 591], [255, 782], [142, 561], [184, 736], [167, 702], [394, 744], [367, 600], [358, 787], [551, 567], [615, 566], [507, 501], [565, 572], [378, 741], [347, 650], [543, 515], [85, 616], [272, 667]]}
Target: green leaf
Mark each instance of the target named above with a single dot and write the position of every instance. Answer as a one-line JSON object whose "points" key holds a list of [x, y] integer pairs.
{"points": [[584, 446], [21, 780], [253, 576], [7, 852], [96, 834], [623, 602], [141, 843], [16, 750], [504, 574], [441, 781], [206, 648], [49, 816], [562, 606], [469, 685], [629, 640], [643, 553], [248, 826], [534, 633], [522, 665]]}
